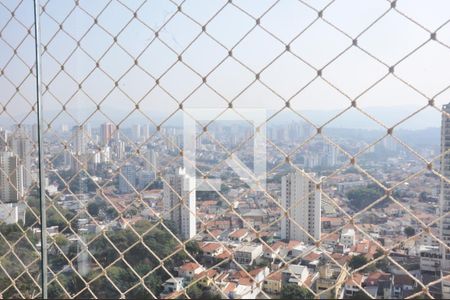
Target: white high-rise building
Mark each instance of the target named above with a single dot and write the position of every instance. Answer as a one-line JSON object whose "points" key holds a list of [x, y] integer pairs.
{"points": [[151, 161], [136, 132], [79, 138], [145, 132], [11, 178], [301, 198], [444, 200], [3, 139], [21, 147], [118, 150], [178, 190]]}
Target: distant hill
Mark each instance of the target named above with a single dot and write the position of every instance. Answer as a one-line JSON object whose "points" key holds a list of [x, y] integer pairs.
{"points": [[429, 118]]}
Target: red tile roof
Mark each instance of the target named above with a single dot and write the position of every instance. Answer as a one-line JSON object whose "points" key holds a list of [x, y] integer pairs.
{"points": [[312, 256], [245, 281], [231, 286], [190, 266], [366, 247], [403, 279], [210, 247], [255, 272], [239, 233], [215, 233], [355, 279], [373, 278], [224, 255], [275, 276], [208, 273], [275, 246], [292, 244]]}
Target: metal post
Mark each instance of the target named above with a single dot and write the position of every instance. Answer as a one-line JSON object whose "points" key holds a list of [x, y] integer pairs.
{"points": [[40, 123]]}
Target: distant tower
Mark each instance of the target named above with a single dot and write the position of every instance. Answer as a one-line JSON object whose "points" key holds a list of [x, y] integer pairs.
{"points": [[34, 133], [79, 138], [11, 178], [118, 149], [179, 189], [145, 132], [21, 147], [106, 133], [302, 200], [136, 132], [444, 200], [151, 161], [127, 179], [3, 140]]}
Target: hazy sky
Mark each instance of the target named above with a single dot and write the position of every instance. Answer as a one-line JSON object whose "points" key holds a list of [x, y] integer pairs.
{"points": [[389, 40]]}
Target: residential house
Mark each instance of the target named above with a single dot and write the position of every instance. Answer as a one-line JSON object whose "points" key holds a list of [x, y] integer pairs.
{"points": [[272, 283], [380, 284], [246, 254], [207, 277], [294, 274], [331, 279], [212, 249], [189, 270], [239, 235], [348, 237], [259, 274], [274, 251], [403, 285], [171, 285], [430, 259], [352, 285]]}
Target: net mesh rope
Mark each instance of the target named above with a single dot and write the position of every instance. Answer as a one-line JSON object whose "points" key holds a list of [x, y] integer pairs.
{"points": [[91, 50]]}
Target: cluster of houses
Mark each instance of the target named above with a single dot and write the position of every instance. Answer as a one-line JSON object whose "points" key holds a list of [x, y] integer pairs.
{"points": [[240, 266]]}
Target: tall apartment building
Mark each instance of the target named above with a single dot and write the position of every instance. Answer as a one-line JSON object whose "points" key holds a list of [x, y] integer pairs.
{"points": [[136, 132], [3, 139], [80, 140], [145, 132], [11, 178], [22, 148], [302, 200], [151, 161], [179, 189], [127, 179], [106, 133], [444, 200]]}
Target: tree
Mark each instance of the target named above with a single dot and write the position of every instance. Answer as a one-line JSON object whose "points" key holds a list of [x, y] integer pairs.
{"points": [[357, 261], [193, 248], [31, 217], [409, 231], [423, 196], [61, 240], [201, 291], [364, 196], [382, 264], [12, 239], [94, 207], [360, 295], [55, 217], [293, 291], [195, 292]]}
